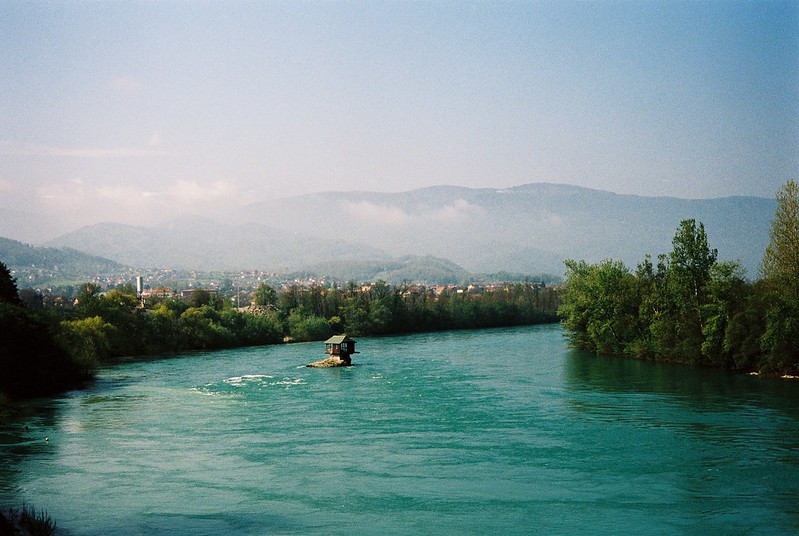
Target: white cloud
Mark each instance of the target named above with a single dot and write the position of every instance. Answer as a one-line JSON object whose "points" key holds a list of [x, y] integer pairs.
{"points": [[377, 214], [457, 211]]}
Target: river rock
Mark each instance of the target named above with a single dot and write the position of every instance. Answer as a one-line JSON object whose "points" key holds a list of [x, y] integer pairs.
{"points": [[332, 361]]}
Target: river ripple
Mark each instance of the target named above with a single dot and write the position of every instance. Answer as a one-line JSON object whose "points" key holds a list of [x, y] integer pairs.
{"points": [[476, 432]]}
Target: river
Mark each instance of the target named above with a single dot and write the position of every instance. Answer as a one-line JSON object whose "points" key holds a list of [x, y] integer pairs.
{"points": [[498, 432]]}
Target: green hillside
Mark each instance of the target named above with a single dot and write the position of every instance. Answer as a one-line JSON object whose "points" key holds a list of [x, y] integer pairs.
{"points": [[35, 266]]}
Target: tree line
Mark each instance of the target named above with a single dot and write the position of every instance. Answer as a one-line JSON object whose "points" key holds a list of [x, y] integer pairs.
{"points": [[688, 307], [47, 349]]}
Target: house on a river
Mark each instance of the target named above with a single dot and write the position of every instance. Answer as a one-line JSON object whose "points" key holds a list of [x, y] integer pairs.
{"points": [[340, 346]]}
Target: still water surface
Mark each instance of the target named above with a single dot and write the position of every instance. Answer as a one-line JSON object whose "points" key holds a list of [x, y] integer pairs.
{"points": [[477, 432]]}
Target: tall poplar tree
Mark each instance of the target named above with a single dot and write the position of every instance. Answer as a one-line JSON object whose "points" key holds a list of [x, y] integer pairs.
{"points": [[690, 266], [780, 273], [782, 254]]}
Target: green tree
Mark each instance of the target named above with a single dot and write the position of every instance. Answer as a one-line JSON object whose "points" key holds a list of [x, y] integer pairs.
{"points": [[781, 260], [210, 298], [201, 328], [87, 340], [262, 329], [600, 306], [87, 303], [728, 295], [653, 318], [163, 327], [780, 272], [265, 295], [304, 327], [691, 260], [690, 264]]}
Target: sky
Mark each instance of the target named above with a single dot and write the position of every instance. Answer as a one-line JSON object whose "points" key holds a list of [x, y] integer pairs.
{"points": [[140, 111]]}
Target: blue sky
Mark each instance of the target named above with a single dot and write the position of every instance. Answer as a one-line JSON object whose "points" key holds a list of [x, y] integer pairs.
{"points": [[134, 111]]}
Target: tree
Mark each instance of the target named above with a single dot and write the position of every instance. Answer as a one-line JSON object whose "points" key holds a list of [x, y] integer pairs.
{"points": [[691, 261], [303, 327], [32, 299], [728, 297], [199, 298], [8, 287], [600, 306], [782, 253], [264, 295], [31, 362], [87, 341], [780, 272], [88, 301]]}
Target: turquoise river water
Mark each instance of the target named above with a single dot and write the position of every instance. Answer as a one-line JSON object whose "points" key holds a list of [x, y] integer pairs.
{"points": [[477, 432]]}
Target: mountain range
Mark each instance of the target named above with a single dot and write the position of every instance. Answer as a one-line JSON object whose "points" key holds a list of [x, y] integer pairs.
{"points": [[528, 229]]}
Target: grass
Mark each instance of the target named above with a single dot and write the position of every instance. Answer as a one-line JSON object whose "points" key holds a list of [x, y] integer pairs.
{"points": [[37, 524]]}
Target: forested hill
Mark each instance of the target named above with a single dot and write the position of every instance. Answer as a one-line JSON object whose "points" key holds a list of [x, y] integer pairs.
{"points": [[34, 264]]}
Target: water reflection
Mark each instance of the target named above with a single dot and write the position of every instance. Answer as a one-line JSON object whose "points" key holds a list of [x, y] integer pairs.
{"points": [[728, 444], [707, 388], [23, 435]]}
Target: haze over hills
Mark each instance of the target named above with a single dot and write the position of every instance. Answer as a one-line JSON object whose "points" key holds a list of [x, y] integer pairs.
{"points": [[528, 229], [204, 244]]}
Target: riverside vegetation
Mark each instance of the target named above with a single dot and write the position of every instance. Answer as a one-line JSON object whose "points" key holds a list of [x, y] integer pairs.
{"points": [[690, 308], [47, 350]]}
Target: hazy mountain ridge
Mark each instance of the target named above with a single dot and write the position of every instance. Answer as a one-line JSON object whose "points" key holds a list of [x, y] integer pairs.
{"points": [[203, 244], [528, 229], [35, 266]]}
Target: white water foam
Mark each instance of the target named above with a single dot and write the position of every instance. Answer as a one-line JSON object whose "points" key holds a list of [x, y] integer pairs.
{"points": [[240, 381]]}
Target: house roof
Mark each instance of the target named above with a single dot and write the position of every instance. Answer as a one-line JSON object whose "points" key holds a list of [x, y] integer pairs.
{"points": [[338, 339]]}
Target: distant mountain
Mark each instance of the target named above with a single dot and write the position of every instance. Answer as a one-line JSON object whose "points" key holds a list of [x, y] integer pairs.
{"points": [[33, 265], [197, 243], [527, 229]]}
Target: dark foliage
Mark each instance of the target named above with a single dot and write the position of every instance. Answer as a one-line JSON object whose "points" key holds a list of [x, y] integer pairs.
{"points": [[8, 287], [31, 362]]}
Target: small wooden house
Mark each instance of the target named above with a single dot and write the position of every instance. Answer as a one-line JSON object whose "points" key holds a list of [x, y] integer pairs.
{"points": [[340, 346]]}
